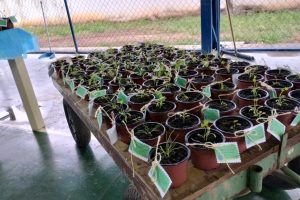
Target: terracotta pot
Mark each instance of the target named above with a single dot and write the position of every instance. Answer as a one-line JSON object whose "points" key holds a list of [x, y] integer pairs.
{"points": [[121, 129], [278, 89], [178, 172], [160, 116], [150, 141], [178, 131], [216, 104], [248, 101], [217, 93], [293, 78], [202, 157], [229, 136], [186, 105], [201, 81], [243, 83], [277, 74], [138, 105]]}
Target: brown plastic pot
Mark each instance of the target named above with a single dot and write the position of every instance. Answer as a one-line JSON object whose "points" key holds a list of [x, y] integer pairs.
{"points": [[186, 105], [151, 83], [150, 141], [121, 129], [223, 112], [293, 78], [223, 74], [136, 78], [204, 158], [170, 95], [287, 84], [277, 74], [201, 81], [178, 172], [228, 93], [160, 116], [240, 65], [138, 105], [189, 74], [178, 133], [243, 83], [294, 94], [229, 136], [258, 69], [209, 71], [244, 101]]}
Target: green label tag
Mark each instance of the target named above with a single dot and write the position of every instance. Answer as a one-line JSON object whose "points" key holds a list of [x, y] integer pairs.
{"points": [[81, 92], [276, 128], [206, 91], [70, 83], [139, 149], [227, 152], [161, 179], [296, 120], [181, 82], [272, 93], [211, 114], [13, 19], [99, 118], [122, 98], [255, 135], [112, 133], [3, 22], [97, 93]]}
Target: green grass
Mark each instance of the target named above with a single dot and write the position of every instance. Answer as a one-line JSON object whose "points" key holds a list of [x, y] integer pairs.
{"points": [[264, 27]]}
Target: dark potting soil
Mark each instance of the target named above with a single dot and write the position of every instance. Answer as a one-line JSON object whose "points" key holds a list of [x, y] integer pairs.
{"points": [[166, 106], [115, 108], [177, 154], [227, 86], [197, 136], [187, 73], [105, 99], [248, 94], [221, 105], [296, 94], [169, 88], [279, 72], [148, 131], [275, 83], [203, 79], [239, 64], [287, 105], [141, 98], [227, 72], [258, 69], [249, 78], [187, 121], [232, 124], [249, 113], [132, 117], [190, 97], [294, 78], [153, 83]]}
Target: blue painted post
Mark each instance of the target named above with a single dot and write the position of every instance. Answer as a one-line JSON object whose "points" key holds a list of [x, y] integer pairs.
{"points": [[71, 26], [206, 25], [216, 9]]}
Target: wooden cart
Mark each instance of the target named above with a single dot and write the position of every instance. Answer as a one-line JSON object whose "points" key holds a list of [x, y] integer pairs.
{"points": [[217, 184]]}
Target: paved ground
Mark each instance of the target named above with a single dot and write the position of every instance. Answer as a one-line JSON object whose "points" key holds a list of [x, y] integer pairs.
{"points": [[49, 166]]}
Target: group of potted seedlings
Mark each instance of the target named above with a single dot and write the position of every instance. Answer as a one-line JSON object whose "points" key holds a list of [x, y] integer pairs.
{"points": [[157, 91]]}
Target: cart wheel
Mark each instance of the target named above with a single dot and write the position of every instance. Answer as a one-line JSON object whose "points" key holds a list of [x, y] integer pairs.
{"points": [[80, 132], [279, 180], [132, 193]]}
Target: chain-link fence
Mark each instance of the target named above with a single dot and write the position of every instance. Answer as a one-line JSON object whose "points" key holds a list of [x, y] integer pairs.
{"points": [[107, 23]]}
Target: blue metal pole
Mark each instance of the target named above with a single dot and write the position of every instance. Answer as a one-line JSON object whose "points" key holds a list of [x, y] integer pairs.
{"points": [[71, 26], [206, 25], [216, 24]]}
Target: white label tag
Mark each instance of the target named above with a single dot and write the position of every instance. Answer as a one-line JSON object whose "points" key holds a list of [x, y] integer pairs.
{"points": [[112, 133]]}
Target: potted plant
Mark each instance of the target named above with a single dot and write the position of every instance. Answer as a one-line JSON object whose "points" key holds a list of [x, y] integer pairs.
{"points": [[148, 132], [281, 86], [277, 73], [154, 83], [294, 94], [226, 107], [188, 100], [187, 74], [222, 62], [138, 100], [249, 96], [158, 110], [239, 65], [258, 69], [130, 118], [200, 81], [202, 157], [226, 73], [295, 79], [229, 125], [223, 90], [170, 91], [181, 123], [112, 107], [174, 159], [247, 80]]}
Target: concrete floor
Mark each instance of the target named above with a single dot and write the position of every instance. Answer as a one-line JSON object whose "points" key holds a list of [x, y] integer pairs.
{"points": [[50, 166]]}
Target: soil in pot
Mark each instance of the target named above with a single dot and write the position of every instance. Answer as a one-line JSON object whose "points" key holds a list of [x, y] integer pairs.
{"points": [[137, 101], [153, 83], [169, 91], [277, 73], [188, 100], [120, 82], [149, 132], [136, 78], [223, 90], [201, 81], [114, 108], [295, 79], [158, 112], [174, 159], [131, 118], [224, 73], [208, 70], [279, 85], [295, 94], [180, 124], [226, 107], [258, 69], [187, 74], [247, 80], [204, 158], [252, 96], [221, 62], [104, 100], [240, 65], [229, 125]]}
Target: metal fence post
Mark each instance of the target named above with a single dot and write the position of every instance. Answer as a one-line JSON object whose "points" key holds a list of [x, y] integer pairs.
{"points": [[71, 26]]}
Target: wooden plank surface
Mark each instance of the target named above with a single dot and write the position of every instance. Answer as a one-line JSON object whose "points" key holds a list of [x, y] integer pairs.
{"points": [[198, 181]]}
